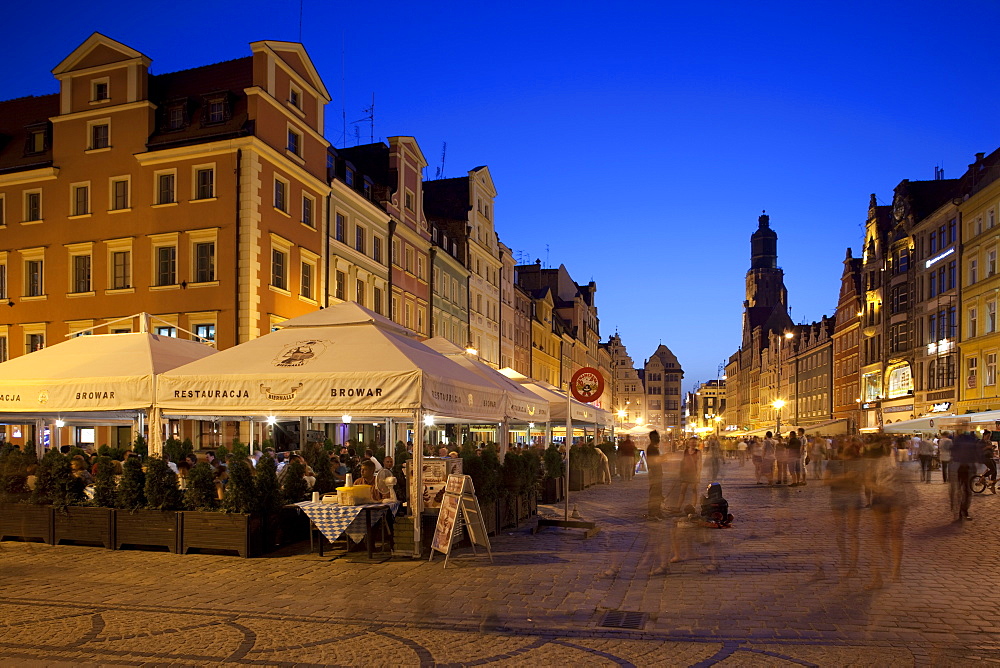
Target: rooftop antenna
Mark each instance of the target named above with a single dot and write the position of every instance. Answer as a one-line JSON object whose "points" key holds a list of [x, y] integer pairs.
{"points": [[370, 117], [301, 2], [444, 151], [343, 86], [547, 256]]}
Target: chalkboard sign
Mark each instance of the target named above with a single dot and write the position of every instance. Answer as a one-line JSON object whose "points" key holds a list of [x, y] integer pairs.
{"points": [[459, 508]]}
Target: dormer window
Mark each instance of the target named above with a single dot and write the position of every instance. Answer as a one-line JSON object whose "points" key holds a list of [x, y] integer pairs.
{"points": [[175, 116], [99, 90], [369, 190], [216, 108], [349, 177], [37, 140]]}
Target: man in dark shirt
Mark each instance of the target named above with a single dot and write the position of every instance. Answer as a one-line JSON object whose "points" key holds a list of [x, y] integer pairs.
{"points": [[793, 454]]}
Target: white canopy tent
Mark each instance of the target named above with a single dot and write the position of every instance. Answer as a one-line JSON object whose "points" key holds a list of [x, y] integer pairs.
{"points": [[520, 405], [342, 360], [581, 412], [94, 379], [928, 424]]}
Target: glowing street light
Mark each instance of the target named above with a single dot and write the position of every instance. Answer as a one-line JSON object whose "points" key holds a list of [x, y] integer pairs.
{"points": [[778, 405]]}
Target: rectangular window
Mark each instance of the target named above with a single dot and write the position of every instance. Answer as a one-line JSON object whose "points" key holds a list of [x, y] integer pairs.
{"points": [[36, 142], [359, 239], [339, 230], [205, 332], [409, 260], [359, 292], [307, 280], [216, 110], [408, 201], [973, 322], [991, 317], [972, 367], [280, 195], [81, 200], [279, 269], [377, 249], [3, 281], [204, 262], [167, 331], [175, 117], [420, 266], [32, 206], [119, 194], [81, 273], [307, 210], [395, 252], [295, 98], [33, 342], [990, 377], [166, 265], [100, 91], [377, 300], [952, 273], [204, 183], [33, 278], [3, 349], [100, 136], [341, 287], [122, 270], [166, 190], [294, 142], [991, 262]]}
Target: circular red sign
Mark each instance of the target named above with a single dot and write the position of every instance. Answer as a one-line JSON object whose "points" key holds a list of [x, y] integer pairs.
{"points": [[587, 384]]}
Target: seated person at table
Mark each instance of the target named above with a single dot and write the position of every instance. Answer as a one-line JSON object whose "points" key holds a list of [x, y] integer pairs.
{"points": [[387, 491], [368, 478]]}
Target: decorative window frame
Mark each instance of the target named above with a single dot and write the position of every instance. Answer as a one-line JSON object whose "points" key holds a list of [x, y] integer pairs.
{"points": [[315, 212], [156, 242], [283, 246], [196, 237], [94, 83], [73, 187], [283, 210], [24, 206], [89, 138], [123, 245], [194, 182], [127, 180], [156, 187], [36, 254], [307, 257], [79, 250]]}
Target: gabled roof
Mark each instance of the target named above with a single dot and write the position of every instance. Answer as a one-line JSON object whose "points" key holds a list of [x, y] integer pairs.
{"points": [[15, 118], [98, 50], [295, 56]]}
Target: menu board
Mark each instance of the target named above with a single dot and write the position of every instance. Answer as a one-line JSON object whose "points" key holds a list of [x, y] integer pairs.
{"points": [[459, 507]]}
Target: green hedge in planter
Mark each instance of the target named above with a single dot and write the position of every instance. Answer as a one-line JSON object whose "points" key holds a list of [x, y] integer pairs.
{"points": [[105, 483], [295, 487], [555, 467], [13, 473], [161, 488], [55, 484], [201, 491], [483, 466], [132, 487], [240, 494], [266, 490]]}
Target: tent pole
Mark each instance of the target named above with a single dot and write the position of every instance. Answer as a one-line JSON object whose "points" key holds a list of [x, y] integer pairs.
{"points": [[569, 446], [417, 503], [504, 438]]}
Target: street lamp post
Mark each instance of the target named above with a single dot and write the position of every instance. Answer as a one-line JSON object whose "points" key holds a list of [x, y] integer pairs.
{"points": [[778, 405]]}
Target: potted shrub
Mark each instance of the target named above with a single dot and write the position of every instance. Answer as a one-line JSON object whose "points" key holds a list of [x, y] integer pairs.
{"points": [[553, 480], [18, 518], [134, 523], [239, 527], [89, 521]]}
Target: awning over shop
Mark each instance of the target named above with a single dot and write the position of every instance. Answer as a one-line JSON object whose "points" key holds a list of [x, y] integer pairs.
{"points": [[581, 413], [828, 428], [928, 424]]}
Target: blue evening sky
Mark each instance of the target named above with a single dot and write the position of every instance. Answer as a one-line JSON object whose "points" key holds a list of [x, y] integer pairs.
{"points": [[634, 143]]}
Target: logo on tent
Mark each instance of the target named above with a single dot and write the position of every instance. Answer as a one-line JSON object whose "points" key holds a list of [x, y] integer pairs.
{"points": [[43, 397], [299, 353], [287, 396], [471, 400]]}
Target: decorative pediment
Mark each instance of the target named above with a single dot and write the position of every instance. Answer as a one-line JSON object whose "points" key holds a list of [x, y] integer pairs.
{"points": [[98, 51], [294, 56]]}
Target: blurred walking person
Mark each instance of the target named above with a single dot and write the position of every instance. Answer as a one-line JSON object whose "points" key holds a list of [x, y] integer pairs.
{"points": [[626, 458], [965, 455], [714, 457], [844, 477], [767, 458], [654, 463], [945, 445], [690, 473], [889, 505], [925, 451]]}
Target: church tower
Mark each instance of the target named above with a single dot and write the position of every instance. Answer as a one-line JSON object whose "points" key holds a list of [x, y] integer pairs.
{"points": [[766, 303], [765, 280]]}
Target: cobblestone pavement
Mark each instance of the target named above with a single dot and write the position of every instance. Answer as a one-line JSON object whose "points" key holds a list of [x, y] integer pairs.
{"points": [[777, 597]]}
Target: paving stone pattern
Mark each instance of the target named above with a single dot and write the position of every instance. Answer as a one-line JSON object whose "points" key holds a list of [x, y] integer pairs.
{"points": [[778, 596]]}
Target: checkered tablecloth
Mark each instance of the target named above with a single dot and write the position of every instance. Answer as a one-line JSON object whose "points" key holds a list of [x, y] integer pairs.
{"points": [[334, 520]]}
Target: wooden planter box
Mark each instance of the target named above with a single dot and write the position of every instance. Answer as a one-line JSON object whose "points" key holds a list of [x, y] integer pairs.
{"points": [[149, 528], [552, 489], [508, 511], [26, 522], [85, 524], [237, 532], [523, 506], [489, 510]]}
